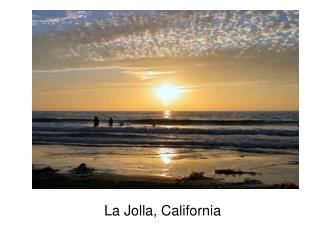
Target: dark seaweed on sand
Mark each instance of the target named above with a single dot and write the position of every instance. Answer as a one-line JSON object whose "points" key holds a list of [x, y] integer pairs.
{"points": [[233, 172], [82, 169], [45, 171], [195, 176], [84, 177]]}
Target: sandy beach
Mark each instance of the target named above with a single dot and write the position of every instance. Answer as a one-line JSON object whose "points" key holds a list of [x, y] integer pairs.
{"points": [[152, 167], [48, 178]]}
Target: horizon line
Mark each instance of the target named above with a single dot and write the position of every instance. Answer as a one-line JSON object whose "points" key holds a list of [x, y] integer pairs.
{"points": [[166, 110]]}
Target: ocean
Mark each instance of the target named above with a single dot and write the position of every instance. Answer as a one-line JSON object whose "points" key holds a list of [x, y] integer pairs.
{"points": [[194, 141]]}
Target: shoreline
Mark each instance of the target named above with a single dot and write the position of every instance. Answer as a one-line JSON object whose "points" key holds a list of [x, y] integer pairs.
{"points": [[83, 177]]}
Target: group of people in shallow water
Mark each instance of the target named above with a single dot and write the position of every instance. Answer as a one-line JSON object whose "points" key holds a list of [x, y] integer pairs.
{"points": [[96, 122]]}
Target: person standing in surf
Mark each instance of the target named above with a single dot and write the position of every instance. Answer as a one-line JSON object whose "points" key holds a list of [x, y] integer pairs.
{"points": [[95, 121], [110, 122]]}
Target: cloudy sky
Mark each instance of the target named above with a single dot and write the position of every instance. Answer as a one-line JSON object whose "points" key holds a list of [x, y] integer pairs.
{"points": [[113, 60]]}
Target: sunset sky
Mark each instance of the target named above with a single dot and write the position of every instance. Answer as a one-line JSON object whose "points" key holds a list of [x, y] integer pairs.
{"points": [[165, 60]]}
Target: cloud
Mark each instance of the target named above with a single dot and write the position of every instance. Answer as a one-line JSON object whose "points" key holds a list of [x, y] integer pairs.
{"points": [[85, 39]]}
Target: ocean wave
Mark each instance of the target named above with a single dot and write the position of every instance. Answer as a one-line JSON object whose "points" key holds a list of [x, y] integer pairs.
{"points": [[212, 122], [53, 120], [242, 144], [131, 130], [238, 139], [175, 121]]}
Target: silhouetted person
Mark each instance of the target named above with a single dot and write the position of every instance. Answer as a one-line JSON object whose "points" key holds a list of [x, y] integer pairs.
{"points": [[153, 123], [121, 123], [96, 121], [110, 122]]}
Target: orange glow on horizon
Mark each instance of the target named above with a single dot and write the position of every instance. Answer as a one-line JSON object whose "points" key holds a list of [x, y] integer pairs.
{"points": [[244, 87]]}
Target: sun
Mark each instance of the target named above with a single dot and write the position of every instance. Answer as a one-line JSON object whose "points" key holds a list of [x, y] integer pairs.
{"points": [[167, 92]]}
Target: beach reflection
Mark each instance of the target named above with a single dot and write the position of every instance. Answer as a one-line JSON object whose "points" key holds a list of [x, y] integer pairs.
{"points": [[166, 154]]}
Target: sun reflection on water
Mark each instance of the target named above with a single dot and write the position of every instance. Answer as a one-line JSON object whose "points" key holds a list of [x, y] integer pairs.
{"points": [[167, 114], [166, 154]]}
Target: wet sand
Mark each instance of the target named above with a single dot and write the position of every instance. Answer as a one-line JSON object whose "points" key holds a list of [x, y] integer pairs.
{"points": [[128, 167], [48, 178]]}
